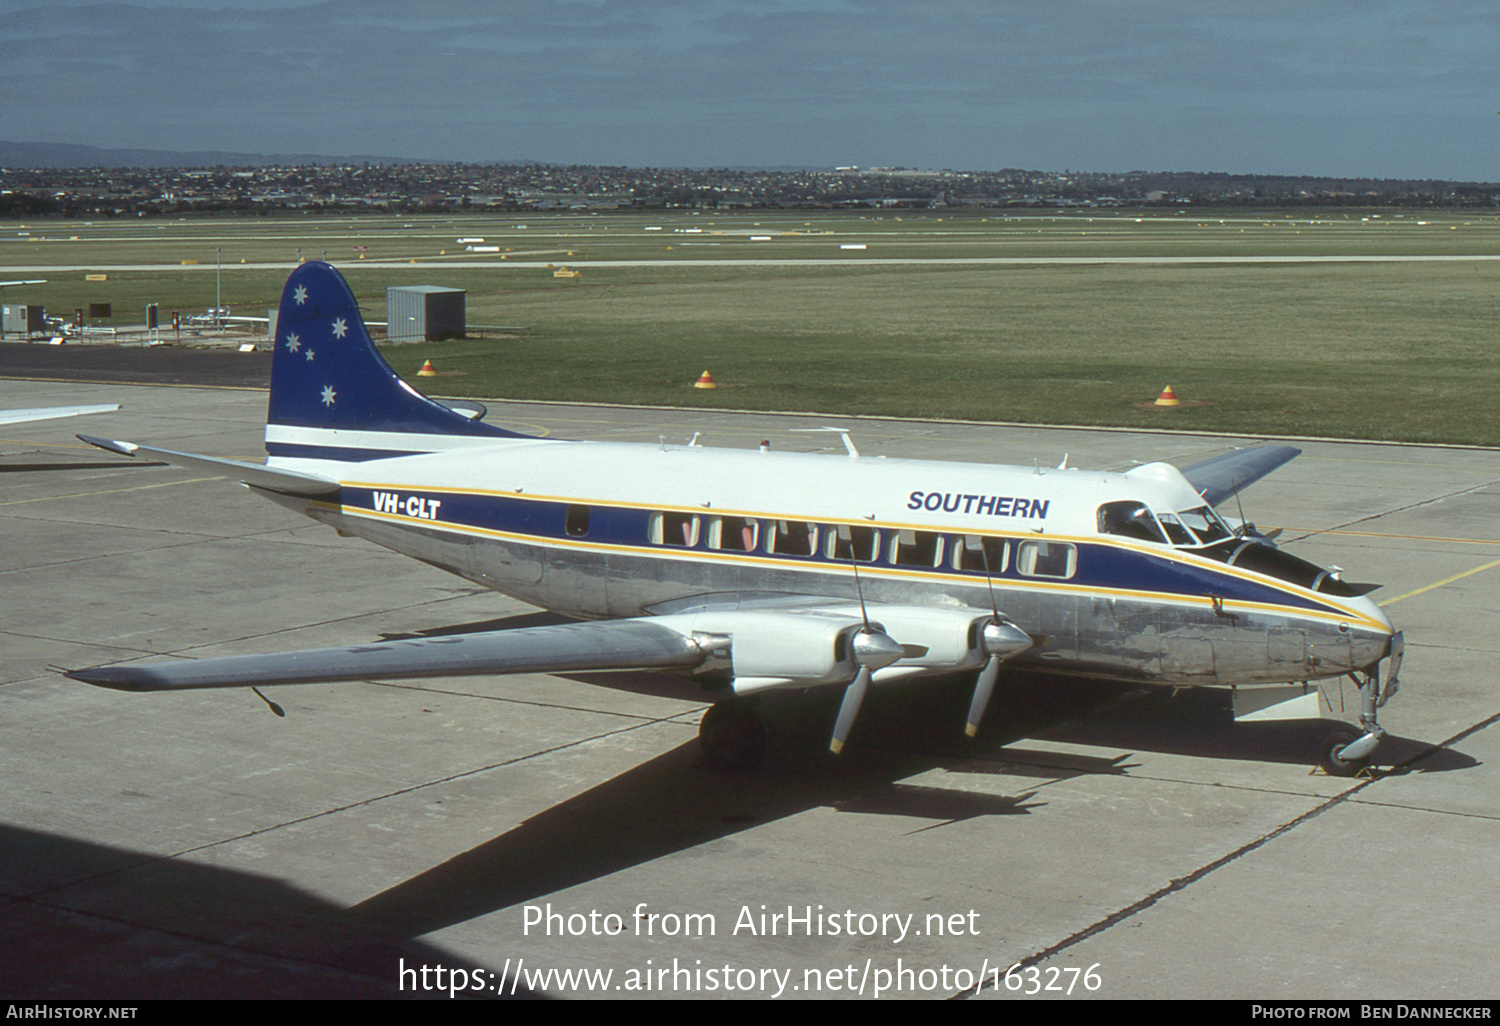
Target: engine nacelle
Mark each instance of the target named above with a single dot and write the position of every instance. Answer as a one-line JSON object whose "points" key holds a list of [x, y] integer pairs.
{"points": [[791, 647], [782, 647]]}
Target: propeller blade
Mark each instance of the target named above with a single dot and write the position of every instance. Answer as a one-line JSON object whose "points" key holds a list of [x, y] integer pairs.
{"points": [[1001, 639], [854, 694], [982, 690]]}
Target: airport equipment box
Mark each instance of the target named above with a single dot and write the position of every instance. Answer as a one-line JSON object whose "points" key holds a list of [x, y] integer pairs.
{"points": [[22, 320], [418, 313]]}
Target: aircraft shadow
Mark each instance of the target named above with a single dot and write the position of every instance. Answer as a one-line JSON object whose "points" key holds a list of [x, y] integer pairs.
{"points": [[80, 921], [674, 802]]}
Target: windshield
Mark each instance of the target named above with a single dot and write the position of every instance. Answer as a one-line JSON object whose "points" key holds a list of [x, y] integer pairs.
{"points": [[1188, 529], [1205, 523]]}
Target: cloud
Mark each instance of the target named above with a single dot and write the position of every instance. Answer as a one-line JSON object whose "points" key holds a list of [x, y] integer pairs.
{"points": [[948, 83]]}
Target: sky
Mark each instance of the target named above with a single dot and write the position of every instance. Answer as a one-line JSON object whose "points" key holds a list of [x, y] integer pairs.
{"points": [[1337, 88]]}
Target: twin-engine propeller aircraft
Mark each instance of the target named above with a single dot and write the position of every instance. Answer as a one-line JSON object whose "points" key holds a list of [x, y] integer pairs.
{"points": [[759, 570]]}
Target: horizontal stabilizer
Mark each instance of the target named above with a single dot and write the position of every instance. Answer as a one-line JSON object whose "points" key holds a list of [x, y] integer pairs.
{"points": [[287, 482], [1218, 478], [571, 647]]}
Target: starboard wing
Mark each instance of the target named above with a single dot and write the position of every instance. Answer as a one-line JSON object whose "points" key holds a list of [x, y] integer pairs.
{"points": [[1218, 478]]}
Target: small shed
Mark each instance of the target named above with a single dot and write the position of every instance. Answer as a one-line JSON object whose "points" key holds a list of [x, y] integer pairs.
{"points": [[419, 313]]}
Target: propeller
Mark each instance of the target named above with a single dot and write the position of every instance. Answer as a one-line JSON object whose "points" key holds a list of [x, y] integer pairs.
{"points": [[1000, 639], [1248, 530], [870, 649]]}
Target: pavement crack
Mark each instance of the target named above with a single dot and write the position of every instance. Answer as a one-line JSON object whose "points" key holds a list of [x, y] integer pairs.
{"points": [[1183, 882]]}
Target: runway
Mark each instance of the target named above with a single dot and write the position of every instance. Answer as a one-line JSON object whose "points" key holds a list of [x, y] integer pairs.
{"points": [[508, 831]]}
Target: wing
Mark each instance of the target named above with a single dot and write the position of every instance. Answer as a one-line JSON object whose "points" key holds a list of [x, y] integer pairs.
{"points": [[53, 412], [287, 482], [1218, 478], [762, 648], [605, 645]]}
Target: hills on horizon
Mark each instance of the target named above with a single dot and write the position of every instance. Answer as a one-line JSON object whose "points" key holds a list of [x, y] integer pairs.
{"points": [[68, 155]]}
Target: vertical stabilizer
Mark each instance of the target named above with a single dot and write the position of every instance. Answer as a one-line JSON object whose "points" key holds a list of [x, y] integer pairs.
{"points": [[334, 397]]}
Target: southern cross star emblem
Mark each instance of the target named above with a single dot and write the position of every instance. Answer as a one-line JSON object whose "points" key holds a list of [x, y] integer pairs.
{"points": [[300, 294], [309, 356], [293, 343], [328, 395], [340, 329]]}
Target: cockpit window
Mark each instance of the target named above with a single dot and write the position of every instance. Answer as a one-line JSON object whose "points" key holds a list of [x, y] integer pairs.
{"points": [[1205, 523], [1176, 533], [1188, 528], [1129, 519]]}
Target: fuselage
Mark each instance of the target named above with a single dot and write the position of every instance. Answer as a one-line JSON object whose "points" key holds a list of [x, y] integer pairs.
{"points": [[1121, 575]]}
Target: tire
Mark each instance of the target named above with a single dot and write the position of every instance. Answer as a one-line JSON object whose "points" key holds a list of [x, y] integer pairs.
{"points": [[732, 737], [1328, 754]]}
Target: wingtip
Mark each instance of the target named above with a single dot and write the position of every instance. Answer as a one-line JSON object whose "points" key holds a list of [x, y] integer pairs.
{"points": [[110, 445], [113, 677]]}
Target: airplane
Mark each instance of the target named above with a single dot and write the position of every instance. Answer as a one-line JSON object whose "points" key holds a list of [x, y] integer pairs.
{"points": [[756, 570]]}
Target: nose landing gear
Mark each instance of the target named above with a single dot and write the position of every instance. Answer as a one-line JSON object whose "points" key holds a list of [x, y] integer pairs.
{"points": [[1344, 752]]}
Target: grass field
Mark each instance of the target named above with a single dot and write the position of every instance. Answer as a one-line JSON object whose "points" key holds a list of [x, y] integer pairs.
{"points": [[1313, 343]]}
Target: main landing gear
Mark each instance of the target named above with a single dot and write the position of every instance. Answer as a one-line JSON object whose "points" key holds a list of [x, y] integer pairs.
{"points": [[1345, 752], [732, 735]]}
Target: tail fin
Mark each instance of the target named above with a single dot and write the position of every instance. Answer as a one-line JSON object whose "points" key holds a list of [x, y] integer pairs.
{"points": [[334, 397]]}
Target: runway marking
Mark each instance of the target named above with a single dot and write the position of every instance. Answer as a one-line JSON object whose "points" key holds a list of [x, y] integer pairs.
{"points": [[108, 491], [1439, 584], [1413, 537]]}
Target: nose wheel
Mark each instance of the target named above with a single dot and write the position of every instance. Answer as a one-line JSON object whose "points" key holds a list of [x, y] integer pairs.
{"points": [[1332, 761]]}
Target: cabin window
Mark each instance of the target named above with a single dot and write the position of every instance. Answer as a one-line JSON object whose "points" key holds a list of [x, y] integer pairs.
{"points": [[577, 521], [674, 529], [853, 542], [1130, 519], [1047, 559], [978, 553], [733, 534], [916, 548], [793, 538]]}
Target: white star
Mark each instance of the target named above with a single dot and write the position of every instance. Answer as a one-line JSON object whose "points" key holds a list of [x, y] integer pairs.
{"points": [[309, 356], [328, 394], [340, 328], [292, 342], [300, 294]]}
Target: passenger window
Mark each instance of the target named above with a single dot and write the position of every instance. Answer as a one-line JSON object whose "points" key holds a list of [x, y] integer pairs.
{"points": [[674, 529], [979, 553], [577, 522], [1129, 519], [1047, 559], [851, 541], [735, 534], [916, 548], [793, 538]]}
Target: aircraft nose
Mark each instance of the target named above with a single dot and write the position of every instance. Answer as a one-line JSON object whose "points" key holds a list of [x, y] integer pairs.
{"points": [[1373, 631]]}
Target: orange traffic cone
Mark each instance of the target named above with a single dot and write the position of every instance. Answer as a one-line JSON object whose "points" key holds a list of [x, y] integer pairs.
{"points": [[426, 371], [706, 381], [1168, 398]]}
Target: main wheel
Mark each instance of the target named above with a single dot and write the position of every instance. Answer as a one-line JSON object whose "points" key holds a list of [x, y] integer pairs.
{"points": [[732, 736], [1328, 756]]}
